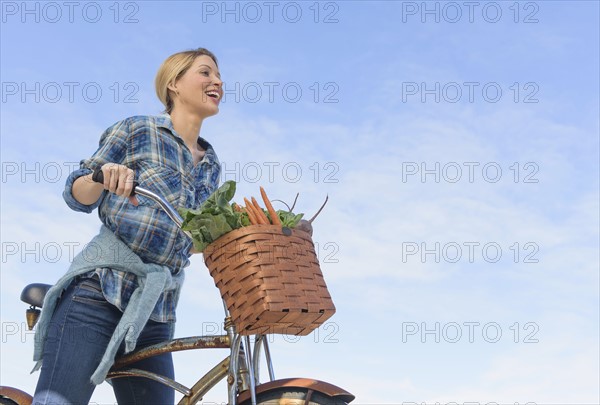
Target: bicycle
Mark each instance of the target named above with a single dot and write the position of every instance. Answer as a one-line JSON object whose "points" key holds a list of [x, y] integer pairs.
{"points": [[241, 367]]}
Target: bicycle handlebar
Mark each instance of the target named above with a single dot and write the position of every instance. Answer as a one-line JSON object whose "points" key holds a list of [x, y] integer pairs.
{"points": [[98, 177]]}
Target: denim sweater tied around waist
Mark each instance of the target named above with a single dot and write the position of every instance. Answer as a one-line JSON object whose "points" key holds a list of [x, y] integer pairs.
{"points": [[107, 250]]}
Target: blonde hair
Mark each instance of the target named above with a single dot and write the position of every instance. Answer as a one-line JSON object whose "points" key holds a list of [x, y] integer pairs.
{"points": [[172, 69]]}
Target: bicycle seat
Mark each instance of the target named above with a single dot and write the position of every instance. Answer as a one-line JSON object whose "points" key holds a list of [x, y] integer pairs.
{"points": [[34, 294]]}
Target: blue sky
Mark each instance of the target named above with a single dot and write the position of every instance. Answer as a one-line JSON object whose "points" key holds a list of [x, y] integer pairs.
{"points": [[458, 143]]}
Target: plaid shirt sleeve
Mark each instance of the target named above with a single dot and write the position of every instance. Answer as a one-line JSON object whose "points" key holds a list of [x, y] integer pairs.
{"points": [[112, 149]]}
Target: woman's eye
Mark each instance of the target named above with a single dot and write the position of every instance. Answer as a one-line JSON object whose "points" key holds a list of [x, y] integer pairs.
{"points": [[205, 72]]}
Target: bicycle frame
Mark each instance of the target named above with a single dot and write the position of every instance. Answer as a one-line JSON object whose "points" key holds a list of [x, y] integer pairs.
{"points": [[240, 367]]}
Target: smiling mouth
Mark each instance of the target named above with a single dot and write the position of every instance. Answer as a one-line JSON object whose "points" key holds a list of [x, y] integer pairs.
{"points": [[213, 94]]}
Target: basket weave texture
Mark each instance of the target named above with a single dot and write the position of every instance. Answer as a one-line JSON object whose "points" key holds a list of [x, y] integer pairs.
{"points": [[270, 281]]}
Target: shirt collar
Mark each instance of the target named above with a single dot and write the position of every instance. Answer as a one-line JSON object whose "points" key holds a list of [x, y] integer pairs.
{"points": [[164, 121]]}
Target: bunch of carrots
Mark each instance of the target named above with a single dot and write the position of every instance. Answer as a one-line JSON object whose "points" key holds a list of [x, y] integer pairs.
{"points": [[256, 214]]}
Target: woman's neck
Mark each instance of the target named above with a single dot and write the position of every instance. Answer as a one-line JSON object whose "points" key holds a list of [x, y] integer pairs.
{"points": [[187, 126]]}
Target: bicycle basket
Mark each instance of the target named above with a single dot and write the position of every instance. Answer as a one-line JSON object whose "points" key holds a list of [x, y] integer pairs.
{"points": [[270, 281]]}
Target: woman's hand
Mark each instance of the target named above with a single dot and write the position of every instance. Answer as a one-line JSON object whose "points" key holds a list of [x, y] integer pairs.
{"points": [[119, 179]]}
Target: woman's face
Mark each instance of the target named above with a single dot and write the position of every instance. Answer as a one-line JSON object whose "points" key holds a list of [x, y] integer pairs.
{"points": [[200, 89]]}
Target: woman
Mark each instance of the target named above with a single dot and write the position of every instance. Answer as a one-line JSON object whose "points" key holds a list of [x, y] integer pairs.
{"points": [[123, 294]]}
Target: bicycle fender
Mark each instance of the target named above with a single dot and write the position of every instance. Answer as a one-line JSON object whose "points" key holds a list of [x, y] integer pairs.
{"points": [[20, 397], [308, 383]]}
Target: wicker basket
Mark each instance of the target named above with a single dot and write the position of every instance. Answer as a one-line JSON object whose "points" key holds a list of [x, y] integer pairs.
{"points": [[270, 279]]}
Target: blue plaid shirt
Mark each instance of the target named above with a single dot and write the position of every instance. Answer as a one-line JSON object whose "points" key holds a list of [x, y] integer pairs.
{"points": [[163, 164]]}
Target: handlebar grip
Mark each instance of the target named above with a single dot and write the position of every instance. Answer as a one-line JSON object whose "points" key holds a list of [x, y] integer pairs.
{"points": [[98, 177]]}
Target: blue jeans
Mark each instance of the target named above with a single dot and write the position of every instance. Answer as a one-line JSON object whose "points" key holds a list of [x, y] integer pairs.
{"points": [[81, 327]]}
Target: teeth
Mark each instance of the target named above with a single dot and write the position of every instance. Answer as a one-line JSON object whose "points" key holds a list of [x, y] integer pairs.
{"points": [[213, 94]]}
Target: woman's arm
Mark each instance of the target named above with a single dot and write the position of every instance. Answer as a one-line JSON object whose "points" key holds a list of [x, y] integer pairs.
{"points": [[81, 192], [85, 191], [118, 179]]}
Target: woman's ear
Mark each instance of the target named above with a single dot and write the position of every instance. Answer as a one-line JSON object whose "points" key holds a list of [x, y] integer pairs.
{"points": [[173, 87]]}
